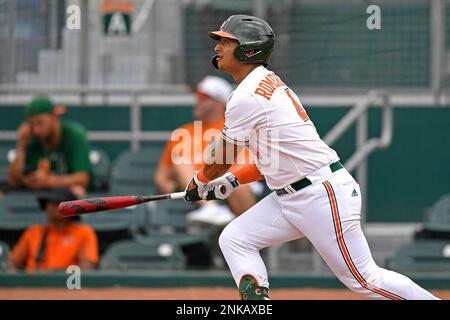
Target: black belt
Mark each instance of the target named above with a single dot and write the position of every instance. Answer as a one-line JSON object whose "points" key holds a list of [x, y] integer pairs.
{"points": [[303, 183]]}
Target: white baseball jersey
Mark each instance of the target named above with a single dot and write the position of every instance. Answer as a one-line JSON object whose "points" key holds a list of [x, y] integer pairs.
{"points": [[264, 114]]}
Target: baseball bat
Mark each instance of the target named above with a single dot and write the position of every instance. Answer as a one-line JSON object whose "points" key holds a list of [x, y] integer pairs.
{"points": [[86, 206]]}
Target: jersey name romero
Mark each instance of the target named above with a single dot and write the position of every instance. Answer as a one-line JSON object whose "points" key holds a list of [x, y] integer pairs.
{"points": [[264, 114]]}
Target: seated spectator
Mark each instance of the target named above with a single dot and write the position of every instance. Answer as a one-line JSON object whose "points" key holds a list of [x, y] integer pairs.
{"points": [[171, 175], [50, 153], [59, 244]]}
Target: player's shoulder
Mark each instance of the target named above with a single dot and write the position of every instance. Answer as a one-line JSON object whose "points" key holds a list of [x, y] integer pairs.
{"points": [[251, 81], [36, 227], [35, 230], [71, 128], [82, 228], [189, 126], [240, 96], [72, 125], [259, 85]]}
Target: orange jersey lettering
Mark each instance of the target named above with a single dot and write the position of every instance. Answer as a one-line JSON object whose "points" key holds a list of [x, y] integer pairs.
{"points": [[268, 85]]}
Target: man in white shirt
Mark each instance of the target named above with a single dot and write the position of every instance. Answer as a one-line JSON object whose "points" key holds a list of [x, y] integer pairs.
{"points": [[314, 195]]}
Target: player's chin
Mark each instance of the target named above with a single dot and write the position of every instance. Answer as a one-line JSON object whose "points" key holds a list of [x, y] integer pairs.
{"points": [[222, 66]]}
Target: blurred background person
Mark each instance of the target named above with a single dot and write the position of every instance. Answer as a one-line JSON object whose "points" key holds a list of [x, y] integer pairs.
{"points": [[212, 94], [50, 153], [60, 243]]}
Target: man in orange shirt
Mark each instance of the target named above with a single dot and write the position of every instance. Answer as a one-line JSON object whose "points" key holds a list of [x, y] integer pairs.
{"points": [[57, 245], [183, 154]]}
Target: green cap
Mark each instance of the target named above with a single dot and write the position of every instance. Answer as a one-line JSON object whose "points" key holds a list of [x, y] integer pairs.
{"points": [[39, 105]]}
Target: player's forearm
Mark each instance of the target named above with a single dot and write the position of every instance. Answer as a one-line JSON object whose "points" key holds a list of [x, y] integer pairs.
{"points": [[215, 170], [69, 180], [163, 181], [220, 158], [10, 267], [247, 174], [16, 259], [86, 265], [16, 168]]}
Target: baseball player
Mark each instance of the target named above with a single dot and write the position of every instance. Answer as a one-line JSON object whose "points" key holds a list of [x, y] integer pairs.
{"points": [[313, 194]]}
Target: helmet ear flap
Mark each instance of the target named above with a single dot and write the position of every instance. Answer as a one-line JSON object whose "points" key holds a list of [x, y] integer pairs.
{"points": [[263, 51], [256, 51], [241, 54]]}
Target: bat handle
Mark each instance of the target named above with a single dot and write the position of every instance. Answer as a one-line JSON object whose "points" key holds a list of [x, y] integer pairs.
{"points": [[177, 195]]}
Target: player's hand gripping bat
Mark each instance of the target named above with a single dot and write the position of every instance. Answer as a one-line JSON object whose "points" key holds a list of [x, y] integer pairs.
{"points": [[86, 206]]}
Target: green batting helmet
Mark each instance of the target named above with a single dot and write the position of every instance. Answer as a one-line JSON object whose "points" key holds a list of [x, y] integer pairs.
{"points": [[252, 33]]}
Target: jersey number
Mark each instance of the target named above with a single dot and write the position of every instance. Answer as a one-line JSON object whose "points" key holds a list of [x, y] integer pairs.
{"points": [[301, 112]]}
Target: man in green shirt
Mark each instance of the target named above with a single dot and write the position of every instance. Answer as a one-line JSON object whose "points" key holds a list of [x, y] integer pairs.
{"points": [[50, 153]]}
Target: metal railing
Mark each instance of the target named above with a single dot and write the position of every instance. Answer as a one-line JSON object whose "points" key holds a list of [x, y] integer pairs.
{"points": [[364, 147], [134, 97]]}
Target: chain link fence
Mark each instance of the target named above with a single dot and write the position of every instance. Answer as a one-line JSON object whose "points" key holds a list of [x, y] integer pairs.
{"points": [[137, 47], [320, 44]]}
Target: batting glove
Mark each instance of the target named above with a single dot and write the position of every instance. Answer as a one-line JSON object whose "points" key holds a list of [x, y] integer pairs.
{"points": [[221, 188], [195, 189]]}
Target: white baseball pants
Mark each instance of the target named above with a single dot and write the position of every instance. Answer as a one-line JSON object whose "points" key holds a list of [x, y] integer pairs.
{"points": [[328, 214]]}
